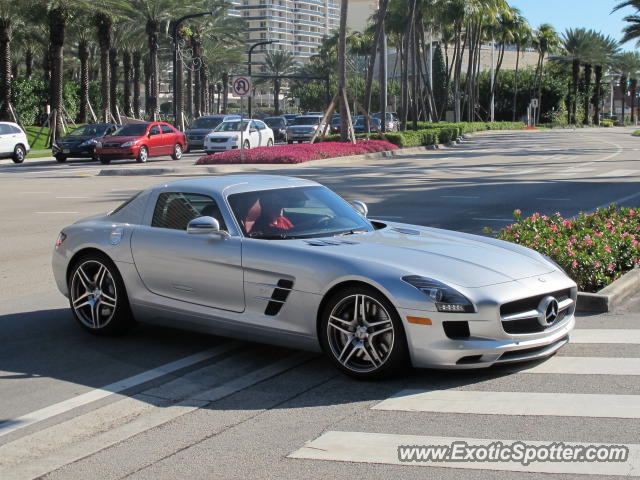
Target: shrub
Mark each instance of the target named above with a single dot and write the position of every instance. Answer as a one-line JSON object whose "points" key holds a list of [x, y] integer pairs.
{"points": [[593, 248], [298, 153]]}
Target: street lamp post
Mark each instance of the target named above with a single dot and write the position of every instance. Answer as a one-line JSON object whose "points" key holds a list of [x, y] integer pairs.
{"points": [[250, 102], [178, 100]]}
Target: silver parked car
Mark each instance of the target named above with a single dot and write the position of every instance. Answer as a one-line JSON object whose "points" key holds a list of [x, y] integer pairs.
{"points": [[287, 261]]}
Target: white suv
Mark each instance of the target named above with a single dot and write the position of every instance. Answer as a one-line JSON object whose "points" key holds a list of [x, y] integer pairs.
{"points": [[13, 142]]}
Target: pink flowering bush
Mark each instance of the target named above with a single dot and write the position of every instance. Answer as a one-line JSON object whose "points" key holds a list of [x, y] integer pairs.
{"points": [[593, 248], [297, 153]]}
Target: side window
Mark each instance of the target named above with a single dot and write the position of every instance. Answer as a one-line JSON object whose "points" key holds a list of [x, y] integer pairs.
{"points": [[166, 129], [14, 129], [261, 126], [154, 130], [176, 210], [4, 129]]}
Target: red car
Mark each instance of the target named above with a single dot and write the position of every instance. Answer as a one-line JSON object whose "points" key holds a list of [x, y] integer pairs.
{"points": [[141, 141]]}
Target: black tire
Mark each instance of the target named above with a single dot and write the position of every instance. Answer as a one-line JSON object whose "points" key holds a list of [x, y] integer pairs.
{"points": [[209, 153], [177, 152], [247, 145], [188, 149], [389, 346], [289, 142], [61, 158], [269, 143], [116, 320], [19, 154], [143, 155], [105, 161]]}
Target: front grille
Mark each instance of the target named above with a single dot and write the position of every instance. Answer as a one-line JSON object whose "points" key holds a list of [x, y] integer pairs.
{"points": [[218, 140], [526, 312], [196, 137], [111, 145]]}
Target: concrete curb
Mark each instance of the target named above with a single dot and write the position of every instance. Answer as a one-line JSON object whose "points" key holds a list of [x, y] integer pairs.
{"points": [[137, 171], [612, 295]]}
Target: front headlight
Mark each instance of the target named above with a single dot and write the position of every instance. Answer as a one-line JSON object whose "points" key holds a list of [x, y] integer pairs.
{"points": [[128, 144], [89, 142], [446, 298]]}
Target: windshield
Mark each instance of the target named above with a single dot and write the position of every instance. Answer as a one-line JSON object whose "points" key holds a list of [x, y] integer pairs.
{"points": [[89, 131], [360, 122], [275, 122], [302, 212], [132, 130], [206, 122], [232, 126], [306, 121]]}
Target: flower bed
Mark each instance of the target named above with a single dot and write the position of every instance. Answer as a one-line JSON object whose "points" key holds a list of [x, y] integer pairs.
{"points": [[297, 153], [594, 248]]}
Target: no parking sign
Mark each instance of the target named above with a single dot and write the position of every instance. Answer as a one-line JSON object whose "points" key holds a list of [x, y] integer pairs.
{"points": [[241, 86]]}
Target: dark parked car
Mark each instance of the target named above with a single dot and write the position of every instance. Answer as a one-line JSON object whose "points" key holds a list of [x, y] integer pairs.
{"points": [[81, 142], [290, 117], [203, 126], [335, 124], [360, 126], [279, 127]]}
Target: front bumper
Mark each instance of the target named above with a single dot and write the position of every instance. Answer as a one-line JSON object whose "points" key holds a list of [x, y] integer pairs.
{"points": [[220, 147], [75, 151], [114, 153], [195, 144]]}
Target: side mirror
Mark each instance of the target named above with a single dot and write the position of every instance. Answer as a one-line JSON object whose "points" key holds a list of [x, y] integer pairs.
{"points": [[205, 226], [360, 207]]}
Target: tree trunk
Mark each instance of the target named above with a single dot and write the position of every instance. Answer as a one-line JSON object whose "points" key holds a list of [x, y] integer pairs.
{"points": [[342, 72], [587, 93], [113, 67], [197, 106], [5, 68], [57, 24], [276, 97], [104, 23], [634, 87], [126, 79], [137, 60], [189, 94], [147, 86], [623, 89], [575, 75], [515, 87], [152, 29], [204, 89], [225, 92], [598, 95], [407, 61], [83, 53], [383, 77], [28, 62], [382, 12]]}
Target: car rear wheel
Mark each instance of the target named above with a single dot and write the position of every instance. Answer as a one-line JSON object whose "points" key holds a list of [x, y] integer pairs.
{"points": [[177, 152], [143, 155], [98, 297], [19, 154], [269, 143], [61, 158], [247, 145], [362, 334], [105, 161], [289, 142]]}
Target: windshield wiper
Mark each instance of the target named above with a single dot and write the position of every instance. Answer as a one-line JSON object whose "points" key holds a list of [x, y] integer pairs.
{"points": [[350, 232]]}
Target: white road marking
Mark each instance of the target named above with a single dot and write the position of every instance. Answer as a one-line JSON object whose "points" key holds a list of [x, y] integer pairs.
{"points": [[586, 366], [573, 171], [619, 173], [61, 198], [119, 386], [379, 448], [54, 213], [610, 335], [514, 403]]}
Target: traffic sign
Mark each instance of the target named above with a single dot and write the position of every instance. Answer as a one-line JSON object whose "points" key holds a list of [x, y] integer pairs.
{"points": [[241, 86], [534, 103]]}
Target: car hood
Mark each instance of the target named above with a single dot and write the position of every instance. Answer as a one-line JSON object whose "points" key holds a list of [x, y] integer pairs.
{"points": [[457, 258], [225, 134], [119, 139], [76, 139], [198, 131]]}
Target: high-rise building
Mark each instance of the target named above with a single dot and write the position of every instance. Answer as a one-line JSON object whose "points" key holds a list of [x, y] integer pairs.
{"points": [[296, 26]]}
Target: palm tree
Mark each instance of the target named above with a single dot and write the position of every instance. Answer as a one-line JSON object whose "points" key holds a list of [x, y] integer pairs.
{"points": [[278, 63], [628, 66], [546, 41], [632, 30], [578, 45], [80, 32], [604, 54], [522, 38], [9, 12]]}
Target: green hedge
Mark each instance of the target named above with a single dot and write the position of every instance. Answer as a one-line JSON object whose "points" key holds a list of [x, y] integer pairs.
{"points": [[433, 133]]}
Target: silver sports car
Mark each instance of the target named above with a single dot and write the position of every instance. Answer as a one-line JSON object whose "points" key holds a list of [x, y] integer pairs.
{"points": [[287, 261]]}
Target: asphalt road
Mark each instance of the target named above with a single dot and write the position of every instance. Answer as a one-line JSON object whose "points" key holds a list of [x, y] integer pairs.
{"points": [[221, 409]]}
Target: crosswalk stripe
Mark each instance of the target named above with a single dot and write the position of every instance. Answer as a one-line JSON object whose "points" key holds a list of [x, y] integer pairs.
{"points": [[383, 448], [586, 366], [619, 173], [610, 335], [514, 403]]}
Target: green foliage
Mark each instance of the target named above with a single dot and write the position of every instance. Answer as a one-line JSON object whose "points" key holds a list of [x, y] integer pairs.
{"points": [[594, 249], [29, 97]]}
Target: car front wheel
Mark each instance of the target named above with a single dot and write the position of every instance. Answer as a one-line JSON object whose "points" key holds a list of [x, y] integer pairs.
{"points": [[269, 143], [177, 152], [97, 296], [362, 334], [61, 158], [143, 155], [19, 154]]}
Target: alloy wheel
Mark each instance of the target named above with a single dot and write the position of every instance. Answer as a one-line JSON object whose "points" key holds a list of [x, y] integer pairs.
{"points": [[360, 333], [19, 154], [94, 296]]}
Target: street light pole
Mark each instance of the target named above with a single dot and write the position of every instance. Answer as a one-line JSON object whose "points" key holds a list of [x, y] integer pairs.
{"points": [[178, 100], [250, 101]]}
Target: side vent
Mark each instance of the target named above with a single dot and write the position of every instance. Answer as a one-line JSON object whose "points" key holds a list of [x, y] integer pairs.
{"points": [[278, 297]]}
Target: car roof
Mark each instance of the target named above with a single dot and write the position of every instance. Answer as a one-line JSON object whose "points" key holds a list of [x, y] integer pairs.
{"points": [[231, 184]]}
